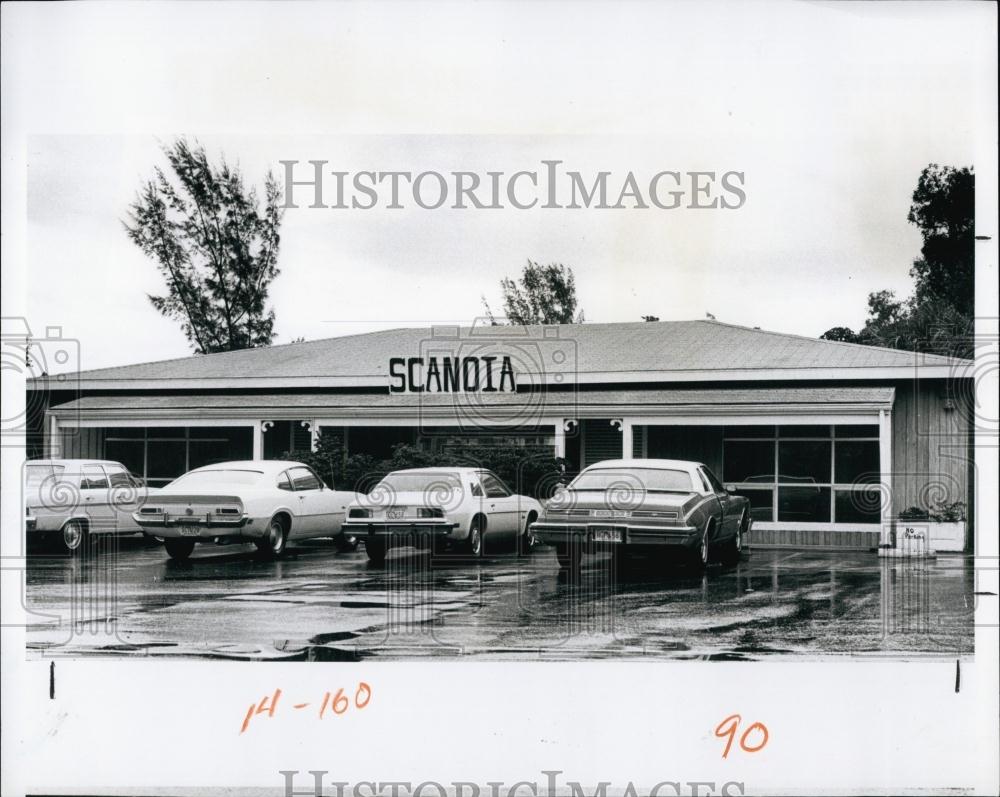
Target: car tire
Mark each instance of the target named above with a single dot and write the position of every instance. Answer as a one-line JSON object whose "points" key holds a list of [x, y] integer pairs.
{"points": [[346, 543], [75, 538], [475, 542], [734, 547], [375, 547], [178, 549], [701, 556], [526, 541], [273, 543], [569, 555]]}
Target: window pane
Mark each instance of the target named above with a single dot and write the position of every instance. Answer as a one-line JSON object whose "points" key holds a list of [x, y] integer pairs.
{"points": [[804, 462], [761, 503], [748, 461], [208, 452], [128, 432], [303, 479], [92, 478], [117, 477], [166, 459], [804, 504], [848, 430], [859, 506], [749, 431], [127, 452], [804, 431], [175, 432], [856, 462]]}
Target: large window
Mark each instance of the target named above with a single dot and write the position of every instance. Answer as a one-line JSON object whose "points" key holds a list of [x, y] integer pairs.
{"points": [[161, 454], [805, 474]]}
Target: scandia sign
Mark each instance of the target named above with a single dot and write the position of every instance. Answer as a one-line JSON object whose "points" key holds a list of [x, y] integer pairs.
{"points": [[451, 375]]}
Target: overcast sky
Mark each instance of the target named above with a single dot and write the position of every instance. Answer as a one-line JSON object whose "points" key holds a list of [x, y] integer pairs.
{"points": [[830, 111]]}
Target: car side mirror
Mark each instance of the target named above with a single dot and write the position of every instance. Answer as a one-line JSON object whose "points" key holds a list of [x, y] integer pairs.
{"points": [[730, 489]]}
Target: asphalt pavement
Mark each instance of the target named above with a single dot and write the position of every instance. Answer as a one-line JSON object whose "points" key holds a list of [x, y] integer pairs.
{"points": [[315, 604]]}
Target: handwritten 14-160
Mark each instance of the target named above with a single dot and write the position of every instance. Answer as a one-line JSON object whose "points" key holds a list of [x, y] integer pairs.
{"points": [[333, 704]]}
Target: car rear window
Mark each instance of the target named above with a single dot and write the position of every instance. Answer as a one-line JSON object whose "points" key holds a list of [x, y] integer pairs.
{"points": [[213, 478], [649, 479], [419, 482]]}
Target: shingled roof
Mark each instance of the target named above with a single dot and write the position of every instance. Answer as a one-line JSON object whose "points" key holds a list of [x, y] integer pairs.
{"points": [[593, 352]]}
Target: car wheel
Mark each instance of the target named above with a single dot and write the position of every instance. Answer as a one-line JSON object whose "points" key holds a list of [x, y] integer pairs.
{"points": [[273, 543], [346, 543], [75, 538], [702, 555], [177, 548], [569, 554], [527, 541], [375, 548], [734, 548], [474, 543]]}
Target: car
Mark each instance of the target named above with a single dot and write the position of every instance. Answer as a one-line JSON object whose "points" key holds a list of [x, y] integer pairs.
{"points": [[644, 506], [266, 502], [72, 500], [441, 507]]}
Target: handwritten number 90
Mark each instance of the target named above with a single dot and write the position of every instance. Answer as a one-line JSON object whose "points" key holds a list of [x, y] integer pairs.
{"points": [[753, 738]]}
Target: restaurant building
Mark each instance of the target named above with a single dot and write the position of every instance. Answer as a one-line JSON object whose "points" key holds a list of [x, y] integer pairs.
{"points": [[828, 440]]}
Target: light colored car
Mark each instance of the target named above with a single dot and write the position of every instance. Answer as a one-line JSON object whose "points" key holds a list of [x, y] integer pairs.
{"points": [[72, 499], [441, 507], [645, 505], [266, 502]]}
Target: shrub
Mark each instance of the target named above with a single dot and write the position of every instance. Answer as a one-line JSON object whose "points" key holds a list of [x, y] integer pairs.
{"points": [[528, 471]]}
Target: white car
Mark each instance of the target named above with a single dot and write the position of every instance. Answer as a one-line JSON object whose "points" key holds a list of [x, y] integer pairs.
{"points": [[264, 502], [73, 499], [433, 507]]}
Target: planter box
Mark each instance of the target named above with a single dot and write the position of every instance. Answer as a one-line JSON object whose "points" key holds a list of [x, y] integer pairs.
{"points": [[947, 536]]}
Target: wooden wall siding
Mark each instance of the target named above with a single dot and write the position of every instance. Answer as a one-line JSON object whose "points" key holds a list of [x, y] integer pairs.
{"points": [[697, 443], [601, 440], [82, 444], [807, 538], [930, 448]]}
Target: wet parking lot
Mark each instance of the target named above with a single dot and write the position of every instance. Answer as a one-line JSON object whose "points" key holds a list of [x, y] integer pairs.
{"points": [[317, 604]]}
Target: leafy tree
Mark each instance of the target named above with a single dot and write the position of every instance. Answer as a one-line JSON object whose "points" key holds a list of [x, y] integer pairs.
{"points": [[543, 295], [213, 244], [944, 207], [938, 317]]}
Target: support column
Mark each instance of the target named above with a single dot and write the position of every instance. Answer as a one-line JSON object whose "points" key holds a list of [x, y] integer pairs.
{"points": [[258, 439], [54, 448], [885, 472], [313, 428], [560, 451], [627, 446]]}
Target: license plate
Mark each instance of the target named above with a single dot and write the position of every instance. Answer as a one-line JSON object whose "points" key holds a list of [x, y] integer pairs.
{"points": [[606, 535], [394, 514], [189, 531]]}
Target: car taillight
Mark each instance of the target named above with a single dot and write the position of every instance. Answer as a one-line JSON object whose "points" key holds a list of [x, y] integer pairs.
{"points": [[359, 513], [151, 510], [227, 510], [430, 511]]}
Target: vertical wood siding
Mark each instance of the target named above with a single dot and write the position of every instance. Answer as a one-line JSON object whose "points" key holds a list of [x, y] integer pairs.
{"points": [[930, 447]]}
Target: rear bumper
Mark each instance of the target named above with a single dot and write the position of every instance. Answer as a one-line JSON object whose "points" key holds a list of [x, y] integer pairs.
{"points": [[192, 526], [398, 528], [630, 535]]}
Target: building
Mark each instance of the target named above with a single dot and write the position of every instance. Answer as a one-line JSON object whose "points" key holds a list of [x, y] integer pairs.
{"points": [[829, 440]]}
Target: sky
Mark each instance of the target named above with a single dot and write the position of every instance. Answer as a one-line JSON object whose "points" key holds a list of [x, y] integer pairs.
{"points": [[829, 111]]}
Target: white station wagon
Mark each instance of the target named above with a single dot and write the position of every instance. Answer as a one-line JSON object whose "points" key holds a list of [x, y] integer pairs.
{"points": [[266, 502], [74, 499], [437, 507]]}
